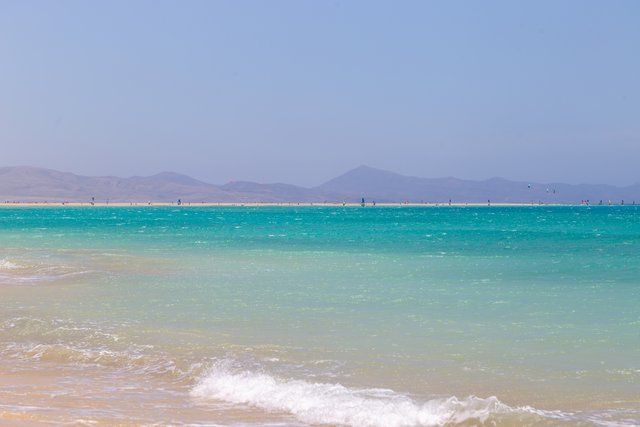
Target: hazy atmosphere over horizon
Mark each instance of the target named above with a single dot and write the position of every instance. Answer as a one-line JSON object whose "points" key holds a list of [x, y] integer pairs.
{"points": [[300, 91]]}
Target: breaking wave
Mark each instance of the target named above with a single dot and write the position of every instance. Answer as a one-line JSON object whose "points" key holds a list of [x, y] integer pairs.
{"points": [[268, 384], [335, 404], [323, 403]]}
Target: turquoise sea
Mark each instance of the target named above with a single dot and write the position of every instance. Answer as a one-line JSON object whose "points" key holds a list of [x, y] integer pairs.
{"points": [[376, 316]]}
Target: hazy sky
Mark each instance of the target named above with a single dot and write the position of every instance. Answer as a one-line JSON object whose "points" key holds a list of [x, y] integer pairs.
{"points": [[300, 91]]}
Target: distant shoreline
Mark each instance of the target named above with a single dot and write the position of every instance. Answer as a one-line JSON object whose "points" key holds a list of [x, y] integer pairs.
{"points": [[287, 204], [36, 186]]}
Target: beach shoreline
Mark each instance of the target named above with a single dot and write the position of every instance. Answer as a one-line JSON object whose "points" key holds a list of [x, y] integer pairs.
{"points": [[283, 204]]}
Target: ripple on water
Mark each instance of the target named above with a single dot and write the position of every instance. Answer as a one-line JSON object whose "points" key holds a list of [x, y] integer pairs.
{"points": [[13, 272]]}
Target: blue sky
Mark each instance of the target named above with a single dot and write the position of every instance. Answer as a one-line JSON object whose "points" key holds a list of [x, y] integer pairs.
{"points": [[300, 91]]}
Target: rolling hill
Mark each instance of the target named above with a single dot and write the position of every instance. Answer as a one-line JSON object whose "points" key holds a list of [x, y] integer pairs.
{"points": [[24, 183]]}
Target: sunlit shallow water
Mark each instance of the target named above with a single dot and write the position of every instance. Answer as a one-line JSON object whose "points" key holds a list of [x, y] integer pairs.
{"points": [[318, 315]]}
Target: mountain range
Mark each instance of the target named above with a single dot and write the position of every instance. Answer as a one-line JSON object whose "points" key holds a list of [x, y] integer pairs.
{"points": [[29, 184]]}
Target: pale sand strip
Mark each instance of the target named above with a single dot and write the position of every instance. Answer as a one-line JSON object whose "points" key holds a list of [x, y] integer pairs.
{"points": [[260, 204]]}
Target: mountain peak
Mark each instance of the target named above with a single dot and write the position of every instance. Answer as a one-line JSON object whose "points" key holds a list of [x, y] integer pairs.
{"points": [[360, 178], [369, 169], [169, 177], [364, 168]]}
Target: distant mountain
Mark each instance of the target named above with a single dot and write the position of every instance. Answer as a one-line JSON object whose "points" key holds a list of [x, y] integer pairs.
{"points": [[25, 183], [388, 186], [246, 191], [37, 184]]}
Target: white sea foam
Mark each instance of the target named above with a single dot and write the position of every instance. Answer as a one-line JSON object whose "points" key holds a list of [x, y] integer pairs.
{"points": [[5, 264], [24, 273], [84, 344], [322, 403], [127, 361], [325, 403], [31, 278]]}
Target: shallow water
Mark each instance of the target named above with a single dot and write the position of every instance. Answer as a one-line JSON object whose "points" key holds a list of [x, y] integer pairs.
{"points": [[320, 315]]}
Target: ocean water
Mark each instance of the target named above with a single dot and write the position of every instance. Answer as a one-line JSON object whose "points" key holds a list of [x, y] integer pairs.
{"points": [[377, 316]]}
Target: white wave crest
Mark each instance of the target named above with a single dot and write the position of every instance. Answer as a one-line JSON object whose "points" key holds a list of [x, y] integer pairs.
{"points": [[12, 273], [322, 403], [5, 264]]}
